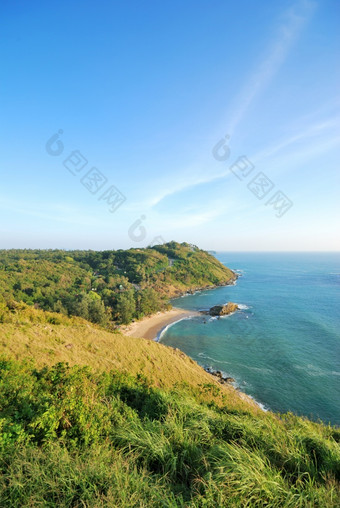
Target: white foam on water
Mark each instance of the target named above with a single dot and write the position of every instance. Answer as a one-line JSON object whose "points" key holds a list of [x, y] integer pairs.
{"points": [[226, 316], [163, 330], [261, 406]]}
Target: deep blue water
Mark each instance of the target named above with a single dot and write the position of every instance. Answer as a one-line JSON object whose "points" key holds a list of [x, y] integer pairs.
{"points": [[283, 347]]}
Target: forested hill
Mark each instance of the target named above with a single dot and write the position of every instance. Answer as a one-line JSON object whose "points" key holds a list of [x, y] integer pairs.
{"points": [[107, 287]]}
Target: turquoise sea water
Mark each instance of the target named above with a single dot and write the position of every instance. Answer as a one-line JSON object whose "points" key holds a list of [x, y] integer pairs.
{"points": [[283, 347]]}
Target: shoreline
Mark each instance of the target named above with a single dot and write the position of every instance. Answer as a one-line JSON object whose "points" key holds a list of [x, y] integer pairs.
{"points": [[191, 291], [151, 327]]}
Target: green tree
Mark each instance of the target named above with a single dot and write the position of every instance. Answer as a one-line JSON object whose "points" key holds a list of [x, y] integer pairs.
{"points": [[96, 309], [149, 302], [125, 306]]}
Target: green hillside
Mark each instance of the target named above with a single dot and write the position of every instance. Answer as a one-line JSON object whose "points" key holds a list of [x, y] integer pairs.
{"points": [[107, 287], [92, 418], [47, 338]]}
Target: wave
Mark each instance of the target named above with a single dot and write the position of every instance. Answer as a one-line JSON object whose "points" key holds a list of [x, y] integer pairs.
{"points": [[236, 384], [263, 370], [206, 357], [315, 371], [239, 386], [262, 406], [163, 330], [242, 306]]}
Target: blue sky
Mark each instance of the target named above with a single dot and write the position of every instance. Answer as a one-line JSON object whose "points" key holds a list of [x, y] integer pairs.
{"points": [[144, 92]]}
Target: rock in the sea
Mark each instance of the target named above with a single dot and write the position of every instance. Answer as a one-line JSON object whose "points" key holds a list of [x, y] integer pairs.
{"points": [[223, 310], [219, 375]]}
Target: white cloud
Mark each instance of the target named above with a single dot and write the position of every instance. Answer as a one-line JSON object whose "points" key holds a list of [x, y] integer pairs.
{"points": [[323, 127], [56, 212], [310, 142], [294, 21]]}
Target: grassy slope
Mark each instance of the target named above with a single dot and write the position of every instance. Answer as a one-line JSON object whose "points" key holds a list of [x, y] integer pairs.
{"points": [[76, 437], [34, 335]]}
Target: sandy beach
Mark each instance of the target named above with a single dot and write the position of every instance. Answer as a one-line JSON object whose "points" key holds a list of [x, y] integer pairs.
{"points": [[150, 327]]}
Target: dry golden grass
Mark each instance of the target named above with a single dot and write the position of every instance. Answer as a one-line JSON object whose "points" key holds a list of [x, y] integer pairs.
{"points": [[28, 334]]}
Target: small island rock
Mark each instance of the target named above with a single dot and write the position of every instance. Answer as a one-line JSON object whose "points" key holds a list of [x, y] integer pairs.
{"points": [[223, 310]]}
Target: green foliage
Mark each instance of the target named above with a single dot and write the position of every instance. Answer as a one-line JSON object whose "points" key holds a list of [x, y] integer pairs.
{"points": [[92, 284], [147, 302], [125, 306], [73, 437]]}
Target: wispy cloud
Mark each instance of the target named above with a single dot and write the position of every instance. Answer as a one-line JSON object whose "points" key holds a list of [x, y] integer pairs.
{"points": [[327, 127], [311, 140], [171, 185], [288, 31], [195, 215], [55, 212], [293, 22]]}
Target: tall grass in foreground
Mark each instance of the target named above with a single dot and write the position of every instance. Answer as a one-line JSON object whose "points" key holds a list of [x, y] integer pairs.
{"points": [[71, 437]]}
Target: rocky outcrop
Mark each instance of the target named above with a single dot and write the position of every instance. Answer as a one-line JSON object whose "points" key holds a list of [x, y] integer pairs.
{"points": [[223, 310], [219, 376], [174, 292]]}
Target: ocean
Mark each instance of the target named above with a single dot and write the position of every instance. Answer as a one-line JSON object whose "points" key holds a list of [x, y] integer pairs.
{"points": [[283, 346]]}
